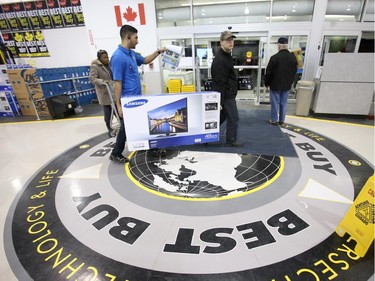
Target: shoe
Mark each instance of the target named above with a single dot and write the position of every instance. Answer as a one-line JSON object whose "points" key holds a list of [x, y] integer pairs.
{"points": [[234, 144], [118, 158], [281, 123], [156, 152], [274, 123]]}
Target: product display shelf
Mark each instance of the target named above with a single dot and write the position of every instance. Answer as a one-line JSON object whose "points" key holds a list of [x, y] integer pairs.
{"points": [[75, 87]]}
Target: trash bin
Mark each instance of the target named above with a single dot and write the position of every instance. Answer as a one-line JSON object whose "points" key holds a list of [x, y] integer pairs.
{"points": [[305, 91]]}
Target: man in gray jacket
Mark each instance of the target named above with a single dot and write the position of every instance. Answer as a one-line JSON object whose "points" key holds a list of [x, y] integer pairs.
{"points": [[279, 77]]}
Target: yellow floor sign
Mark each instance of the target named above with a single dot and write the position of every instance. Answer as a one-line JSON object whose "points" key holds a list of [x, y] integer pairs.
{"points": [[359, 220]]}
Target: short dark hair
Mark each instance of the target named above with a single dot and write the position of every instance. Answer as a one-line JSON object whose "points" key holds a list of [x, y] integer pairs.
{"points": [[100, 53], [127, 30]]}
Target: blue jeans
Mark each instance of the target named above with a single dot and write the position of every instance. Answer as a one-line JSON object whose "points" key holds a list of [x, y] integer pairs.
{"points": [[279, 101], [120, 140]]}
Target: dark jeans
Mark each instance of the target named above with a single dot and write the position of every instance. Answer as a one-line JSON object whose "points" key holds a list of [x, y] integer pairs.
{"points": [[107, 116], [229, 113], [120, 140]]}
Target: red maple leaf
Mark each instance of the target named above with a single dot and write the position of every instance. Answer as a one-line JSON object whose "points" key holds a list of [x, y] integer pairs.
{"points": [[129, 15]]}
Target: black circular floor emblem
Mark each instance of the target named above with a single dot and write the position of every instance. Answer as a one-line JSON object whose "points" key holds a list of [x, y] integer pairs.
{"points": [[191, 215], [200, 175]]}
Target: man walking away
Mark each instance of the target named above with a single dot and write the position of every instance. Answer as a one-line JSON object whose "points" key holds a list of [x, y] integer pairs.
{"points": [[279, 77]]}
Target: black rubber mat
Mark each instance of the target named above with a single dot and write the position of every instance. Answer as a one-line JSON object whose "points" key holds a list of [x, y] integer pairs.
{"points": [[257, 135]]}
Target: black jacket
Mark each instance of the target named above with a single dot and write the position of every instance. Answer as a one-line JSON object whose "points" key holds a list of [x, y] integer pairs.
{"points": [[224, 79], [280, 71]]}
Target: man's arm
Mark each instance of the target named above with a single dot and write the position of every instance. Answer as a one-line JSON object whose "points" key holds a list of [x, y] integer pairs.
{"points": [[118, 87], [153, 56]]}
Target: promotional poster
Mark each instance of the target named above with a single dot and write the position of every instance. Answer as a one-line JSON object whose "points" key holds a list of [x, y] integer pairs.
{"points": [[32, 14], [171, 57], [160, 121]]}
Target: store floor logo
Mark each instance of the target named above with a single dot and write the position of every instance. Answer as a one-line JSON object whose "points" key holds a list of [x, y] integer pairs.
{"points": [[79, 218], [129, 15]]}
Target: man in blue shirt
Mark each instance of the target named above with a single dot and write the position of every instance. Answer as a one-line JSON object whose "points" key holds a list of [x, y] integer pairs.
{"points": [[124, 64]]}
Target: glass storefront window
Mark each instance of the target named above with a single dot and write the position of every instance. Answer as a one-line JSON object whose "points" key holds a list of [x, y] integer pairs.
{"points": [[173, 13], [186, 65], [369, 13], [213, 12], [343, 10], [338, 44], [367, 42], [286, 10], [296, 45]]}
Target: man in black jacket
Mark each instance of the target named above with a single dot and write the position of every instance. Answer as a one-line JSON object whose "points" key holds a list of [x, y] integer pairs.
{"points": [[224, 80], [280, 73]]}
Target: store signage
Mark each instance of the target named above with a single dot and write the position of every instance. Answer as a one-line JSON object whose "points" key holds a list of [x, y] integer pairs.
{"points": [[21, 15], [35, 15], [11, 17], [55, 12], [3, 20], [26, 44], [44, 15], [127, 14], [32, 14], [359, 221]]}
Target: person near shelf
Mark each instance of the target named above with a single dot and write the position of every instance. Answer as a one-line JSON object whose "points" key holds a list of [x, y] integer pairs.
{"points": [[124, 63], [224, 80], [280, 72], [101, 73]]}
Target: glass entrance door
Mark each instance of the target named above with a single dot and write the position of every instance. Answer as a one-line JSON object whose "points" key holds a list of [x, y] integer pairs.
{"points": [[248, 54]]}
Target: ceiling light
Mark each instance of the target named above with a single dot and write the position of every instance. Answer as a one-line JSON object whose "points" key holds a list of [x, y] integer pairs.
{"points": [[247, 11]]}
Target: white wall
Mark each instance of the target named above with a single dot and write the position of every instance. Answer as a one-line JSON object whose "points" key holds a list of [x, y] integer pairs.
{"points": [[100, 20], [66, 46]]}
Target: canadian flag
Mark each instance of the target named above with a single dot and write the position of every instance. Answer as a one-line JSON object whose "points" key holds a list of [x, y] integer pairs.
{"points": [[130, 15]]}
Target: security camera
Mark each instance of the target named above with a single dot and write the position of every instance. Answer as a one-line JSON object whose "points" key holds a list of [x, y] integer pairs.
{"points": [[229, 28]]}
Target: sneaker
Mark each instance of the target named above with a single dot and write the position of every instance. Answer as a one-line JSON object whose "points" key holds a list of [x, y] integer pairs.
{"points": [[156, 152], [234, 144], [273, 123], [281, 123], [118, 158]]}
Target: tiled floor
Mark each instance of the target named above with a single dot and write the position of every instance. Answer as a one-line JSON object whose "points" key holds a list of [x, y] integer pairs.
{"points": [[150, 236]]}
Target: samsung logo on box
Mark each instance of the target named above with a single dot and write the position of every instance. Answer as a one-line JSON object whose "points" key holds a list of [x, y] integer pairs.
{"points": [[211, 136], [135, 103]]}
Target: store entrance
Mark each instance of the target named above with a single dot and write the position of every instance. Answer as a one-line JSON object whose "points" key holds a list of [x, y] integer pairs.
{"points": [[248, 60]]}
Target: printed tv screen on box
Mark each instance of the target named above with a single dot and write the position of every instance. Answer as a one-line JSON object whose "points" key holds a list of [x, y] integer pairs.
{"points": [[161, 121]]}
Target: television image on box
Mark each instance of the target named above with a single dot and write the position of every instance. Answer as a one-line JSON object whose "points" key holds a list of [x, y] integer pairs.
{"points": [[169, 119]]}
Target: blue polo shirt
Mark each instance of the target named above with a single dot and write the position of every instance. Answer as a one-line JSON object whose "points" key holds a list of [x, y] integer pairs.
{"points": [[124, 64]]}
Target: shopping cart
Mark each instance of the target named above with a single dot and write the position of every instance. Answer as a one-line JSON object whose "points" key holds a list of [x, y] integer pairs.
{"points": [[115, 118]]}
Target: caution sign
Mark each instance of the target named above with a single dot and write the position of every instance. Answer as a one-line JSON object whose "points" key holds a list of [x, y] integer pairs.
{"points": [[359, 221]]}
